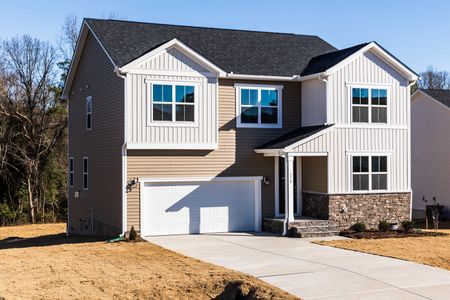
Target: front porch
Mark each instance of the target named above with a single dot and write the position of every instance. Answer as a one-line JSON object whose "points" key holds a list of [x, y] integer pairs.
{"points": [[299, 176]]}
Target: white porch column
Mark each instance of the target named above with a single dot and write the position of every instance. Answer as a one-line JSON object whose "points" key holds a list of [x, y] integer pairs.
{"points": [[289, 186]]}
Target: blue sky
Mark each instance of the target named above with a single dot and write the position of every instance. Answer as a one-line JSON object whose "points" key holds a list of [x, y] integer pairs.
{"points": [[417, 32]]}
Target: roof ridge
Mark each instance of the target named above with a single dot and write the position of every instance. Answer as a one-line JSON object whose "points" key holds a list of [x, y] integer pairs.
{"points": [[205, 27]]}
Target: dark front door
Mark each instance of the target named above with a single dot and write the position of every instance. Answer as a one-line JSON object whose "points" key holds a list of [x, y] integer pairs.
{"points": [[282, 188]]}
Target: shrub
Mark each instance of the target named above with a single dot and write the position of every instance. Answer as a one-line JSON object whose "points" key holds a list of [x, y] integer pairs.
{"points": [[359, 227], [384, 226], [133, 234], [407, 226]]}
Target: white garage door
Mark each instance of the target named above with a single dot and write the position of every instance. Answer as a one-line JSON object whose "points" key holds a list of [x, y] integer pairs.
{"points": [[221, 205]]}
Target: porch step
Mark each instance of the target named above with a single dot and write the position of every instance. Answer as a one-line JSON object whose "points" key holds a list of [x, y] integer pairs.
{"points": [[302, 228], [313, 228], [317, 234]]}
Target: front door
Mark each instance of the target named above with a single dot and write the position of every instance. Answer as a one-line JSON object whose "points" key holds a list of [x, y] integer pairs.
{"points": [[282, 188]]}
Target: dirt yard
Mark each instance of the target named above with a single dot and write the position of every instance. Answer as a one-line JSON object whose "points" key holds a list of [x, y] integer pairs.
{"points": [[433, 251], [40, 262]]}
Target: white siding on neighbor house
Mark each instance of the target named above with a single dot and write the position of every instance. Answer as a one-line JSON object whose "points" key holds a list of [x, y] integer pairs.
{"points": [[171, 66], [314, 102], [341, 143], [430, 147], [367, 69]]}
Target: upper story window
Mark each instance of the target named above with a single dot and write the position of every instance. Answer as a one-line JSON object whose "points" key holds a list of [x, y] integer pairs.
{"points": [[369, 105], [85, 173], [173, 103], [71, 172], [369, 173], [258, 106], [89, 112]]}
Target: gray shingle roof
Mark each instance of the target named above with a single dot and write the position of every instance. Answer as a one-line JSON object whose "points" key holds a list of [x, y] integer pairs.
{"points": [[442, 96], [238, 51], [293, 137], [323, 62]]}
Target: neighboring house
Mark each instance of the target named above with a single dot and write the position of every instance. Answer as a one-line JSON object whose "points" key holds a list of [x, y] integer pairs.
{"points": [[178, 129], [430, 148]]}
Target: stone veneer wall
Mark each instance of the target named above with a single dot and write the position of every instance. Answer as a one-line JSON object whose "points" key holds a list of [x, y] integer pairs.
{"points": [[347, 209]]}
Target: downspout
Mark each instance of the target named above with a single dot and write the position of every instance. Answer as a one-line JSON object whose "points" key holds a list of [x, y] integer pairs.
{"points": [[124, 151], [409, 147]]}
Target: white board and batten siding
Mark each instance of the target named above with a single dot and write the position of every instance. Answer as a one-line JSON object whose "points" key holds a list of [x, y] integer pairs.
{"points": [[173, 67], [430, 147], [346, 139], [314, 102]]}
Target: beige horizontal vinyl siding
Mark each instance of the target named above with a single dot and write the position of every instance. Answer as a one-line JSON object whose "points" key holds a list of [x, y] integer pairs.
{"points": [[314, 174], [95, 77], [235, 155]]}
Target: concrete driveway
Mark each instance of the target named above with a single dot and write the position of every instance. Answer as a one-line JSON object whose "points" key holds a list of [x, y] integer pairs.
{"points": [[311, 271]]}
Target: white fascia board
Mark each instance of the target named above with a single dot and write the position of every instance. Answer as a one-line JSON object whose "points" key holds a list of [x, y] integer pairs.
{"points": [[85, 29], [179, 45], [261, 77]]}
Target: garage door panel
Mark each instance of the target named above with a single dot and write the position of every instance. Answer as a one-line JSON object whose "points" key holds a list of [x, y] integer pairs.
{"points": [[199, 207]]}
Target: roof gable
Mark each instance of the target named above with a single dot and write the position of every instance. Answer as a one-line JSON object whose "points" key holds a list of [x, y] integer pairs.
{"points": [[177, 53], [329, 62], [441, 96]]}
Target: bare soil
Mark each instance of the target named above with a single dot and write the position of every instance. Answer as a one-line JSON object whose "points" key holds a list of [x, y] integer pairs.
{"points": [[40, 262], [432, 250]]}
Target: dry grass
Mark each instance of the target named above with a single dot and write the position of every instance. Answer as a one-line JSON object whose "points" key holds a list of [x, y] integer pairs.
{"points": [[433, 251], [48, 265]]}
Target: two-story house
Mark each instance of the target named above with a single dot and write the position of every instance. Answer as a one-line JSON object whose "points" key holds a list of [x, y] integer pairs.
{"points": [[179, 129]]}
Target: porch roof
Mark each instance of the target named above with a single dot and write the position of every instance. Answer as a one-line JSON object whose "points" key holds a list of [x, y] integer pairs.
{"points": [[293, 137]]}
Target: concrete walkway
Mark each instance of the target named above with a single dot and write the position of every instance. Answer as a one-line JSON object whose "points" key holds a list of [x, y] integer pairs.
{"points": [[311, 271]]}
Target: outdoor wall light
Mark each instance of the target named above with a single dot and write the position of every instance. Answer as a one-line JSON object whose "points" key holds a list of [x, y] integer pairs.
{"points": [[266, 180], [77, 194], [131, 183]]}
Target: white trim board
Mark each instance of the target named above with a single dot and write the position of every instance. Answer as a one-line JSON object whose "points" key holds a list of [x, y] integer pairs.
{"points": [[174, 146]]}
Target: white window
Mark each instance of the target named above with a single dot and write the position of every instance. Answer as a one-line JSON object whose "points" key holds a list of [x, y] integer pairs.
{"points": [[258, 106], [85, 173], [369, 105], [89, 112], [369, 173], [71, 172], [173, 103]]}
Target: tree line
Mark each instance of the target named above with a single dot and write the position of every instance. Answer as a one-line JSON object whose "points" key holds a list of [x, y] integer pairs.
{"points": [[33, 125]]}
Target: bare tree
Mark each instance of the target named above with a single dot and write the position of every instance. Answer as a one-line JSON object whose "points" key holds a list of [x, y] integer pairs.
{"points": [[67, 40], [433, 79], [28, 102]]}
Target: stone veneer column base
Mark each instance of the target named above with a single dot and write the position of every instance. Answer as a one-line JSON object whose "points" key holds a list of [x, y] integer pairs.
{"points": [[347, 209]]}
